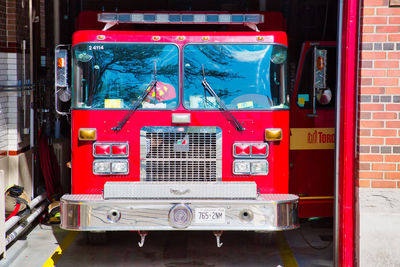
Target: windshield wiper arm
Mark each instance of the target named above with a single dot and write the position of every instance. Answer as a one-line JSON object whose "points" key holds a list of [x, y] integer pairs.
{"points": [[222, 106], [149, 88], [135, 106]]}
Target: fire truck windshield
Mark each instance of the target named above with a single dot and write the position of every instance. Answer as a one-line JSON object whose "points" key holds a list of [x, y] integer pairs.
{"points": [[244, 76], [111, 75]]}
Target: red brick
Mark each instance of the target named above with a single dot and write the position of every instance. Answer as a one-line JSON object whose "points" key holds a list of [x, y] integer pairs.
{"points": [[392, 141], [365, 81], [371, 141], [373, 38], [375, 20], [392, 175], [364, 90], [375, 2], [393, 90], [384, 132], [387, 29], [370, 158], [386, 81], [386, 64], [368, 29], [364, 166], [366, 64], [372, 55], [383, 166], [394, 20], [372, 124], [387, 11], [364, 132], [371, 107], [364, 183], [393, 107], [393, 73], [367, 11], [393, 124], [392, 158], [393, 55], [365, 115], [394, 37], [370, 175], [383, 184], [372, 73], [384, 115]]}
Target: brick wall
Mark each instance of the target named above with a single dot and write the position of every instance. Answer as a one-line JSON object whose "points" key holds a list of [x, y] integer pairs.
{"points": [[379, 96]]}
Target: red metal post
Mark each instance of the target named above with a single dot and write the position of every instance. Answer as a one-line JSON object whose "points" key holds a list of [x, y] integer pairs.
{"points": [[346, 249]]}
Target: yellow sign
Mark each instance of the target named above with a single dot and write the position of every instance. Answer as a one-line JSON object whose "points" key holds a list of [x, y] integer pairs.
{"points": [[112, 103], [247, 104], [312, 138]]}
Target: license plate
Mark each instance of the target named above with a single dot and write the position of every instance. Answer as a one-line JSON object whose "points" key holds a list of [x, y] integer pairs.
{"points": [[209, 215]]}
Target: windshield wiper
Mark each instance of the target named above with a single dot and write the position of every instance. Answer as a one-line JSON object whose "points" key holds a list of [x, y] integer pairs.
{"points": [[222, 106], [149, 88]]}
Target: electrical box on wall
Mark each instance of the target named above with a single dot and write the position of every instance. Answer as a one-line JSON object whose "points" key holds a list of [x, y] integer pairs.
{"points": [[394, 3]]}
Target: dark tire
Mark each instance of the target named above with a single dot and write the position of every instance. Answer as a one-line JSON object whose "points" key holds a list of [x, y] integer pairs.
{"points": [[96, 238]]}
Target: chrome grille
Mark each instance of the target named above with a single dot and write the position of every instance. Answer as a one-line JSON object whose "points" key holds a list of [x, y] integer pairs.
{"points": [[180, 154]]}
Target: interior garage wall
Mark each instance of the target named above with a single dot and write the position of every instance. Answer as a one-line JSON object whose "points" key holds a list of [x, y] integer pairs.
{"points": [[15, 154]]}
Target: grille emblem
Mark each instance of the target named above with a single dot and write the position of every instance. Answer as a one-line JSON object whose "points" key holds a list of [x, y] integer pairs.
{"points": [[182, 145], [179, 192]]}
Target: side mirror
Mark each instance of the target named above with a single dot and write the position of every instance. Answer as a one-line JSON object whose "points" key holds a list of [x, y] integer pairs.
{"points": [[61, 88], [319, 75], [324, 96], [61, 67]]}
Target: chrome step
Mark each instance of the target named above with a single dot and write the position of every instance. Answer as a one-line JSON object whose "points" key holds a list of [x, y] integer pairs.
{"points": [[171, 190]]}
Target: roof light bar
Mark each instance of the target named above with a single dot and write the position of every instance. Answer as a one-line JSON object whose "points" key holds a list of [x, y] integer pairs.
{"points": [[184, 18]]}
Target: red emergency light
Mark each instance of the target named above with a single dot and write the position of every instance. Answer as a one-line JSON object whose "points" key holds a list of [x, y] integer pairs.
{"points": [[180, 18], [110, 150], [102, 149], [120, 150], [241, 149], [259, 150], [250, 150]]}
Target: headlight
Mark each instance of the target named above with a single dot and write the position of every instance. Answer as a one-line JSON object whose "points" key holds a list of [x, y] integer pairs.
{"points": [[241, 167], [110, 167], [251, 167], [101, 167], [120, 167], [259, 167]]}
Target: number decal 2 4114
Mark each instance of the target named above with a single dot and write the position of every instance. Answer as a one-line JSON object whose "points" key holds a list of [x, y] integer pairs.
{"points": [[96, 47]]}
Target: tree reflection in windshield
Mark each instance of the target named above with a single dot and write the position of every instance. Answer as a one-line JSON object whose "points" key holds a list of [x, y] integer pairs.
{"points": [[242, 75], [122, 72]]}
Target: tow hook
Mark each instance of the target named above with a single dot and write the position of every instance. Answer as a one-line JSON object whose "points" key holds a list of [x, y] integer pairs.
{"points": [[142, 238], [218, 235]]}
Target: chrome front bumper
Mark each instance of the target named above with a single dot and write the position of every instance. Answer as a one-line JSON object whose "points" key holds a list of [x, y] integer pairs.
{"points": [[268, 212]]}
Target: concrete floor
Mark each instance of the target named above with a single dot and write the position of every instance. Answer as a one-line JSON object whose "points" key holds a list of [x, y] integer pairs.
{"points": [[51, 246]]}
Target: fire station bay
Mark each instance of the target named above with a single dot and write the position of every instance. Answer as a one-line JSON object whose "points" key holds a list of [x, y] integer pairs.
{"points": [[199, 133]]}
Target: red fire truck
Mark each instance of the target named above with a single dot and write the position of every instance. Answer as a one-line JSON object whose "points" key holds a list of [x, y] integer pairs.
{"points": [[180, 130], [312, 129]]}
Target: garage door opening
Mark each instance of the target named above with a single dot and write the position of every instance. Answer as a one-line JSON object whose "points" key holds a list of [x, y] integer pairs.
{"points": [[312, 30]]}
